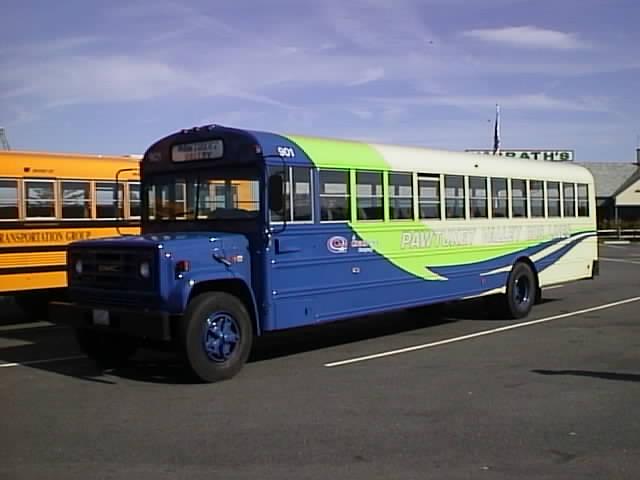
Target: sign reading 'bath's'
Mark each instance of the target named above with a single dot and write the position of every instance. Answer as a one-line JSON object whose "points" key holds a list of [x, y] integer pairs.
{"points": [[548, 155]]}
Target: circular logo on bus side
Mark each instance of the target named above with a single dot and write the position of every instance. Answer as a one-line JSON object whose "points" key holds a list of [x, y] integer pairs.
{"points": [[337, 244]]}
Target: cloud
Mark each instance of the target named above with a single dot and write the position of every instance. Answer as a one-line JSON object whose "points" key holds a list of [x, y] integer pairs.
{"points": [[327, 57], [369, 75], [55, 46], [81, 79], [528, 37], [534, 101]]}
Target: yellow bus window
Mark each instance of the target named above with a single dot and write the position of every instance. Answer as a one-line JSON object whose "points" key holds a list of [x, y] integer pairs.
{"points": [[76, 199], [40, 198], [8, 200], [135, 208], [107, 206]]}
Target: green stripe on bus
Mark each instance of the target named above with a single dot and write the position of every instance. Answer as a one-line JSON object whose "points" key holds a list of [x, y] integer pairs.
{"points": [[437, 251], [340, 154]]}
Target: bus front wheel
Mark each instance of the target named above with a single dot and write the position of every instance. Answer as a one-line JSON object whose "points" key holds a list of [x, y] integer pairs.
{"points": [[217, 335]]}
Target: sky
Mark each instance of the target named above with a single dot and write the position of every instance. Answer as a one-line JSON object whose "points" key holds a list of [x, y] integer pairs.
{"points": [[113, 77]]}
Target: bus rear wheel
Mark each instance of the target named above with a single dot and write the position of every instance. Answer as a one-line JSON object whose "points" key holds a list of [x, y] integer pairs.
{"points": [[108, 350], [217, 336], [522, 292]]}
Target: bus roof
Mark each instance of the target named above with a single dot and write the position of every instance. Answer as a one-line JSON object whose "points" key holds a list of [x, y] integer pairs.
{"points": [[19, 164], [325, 152], [334, 153]]}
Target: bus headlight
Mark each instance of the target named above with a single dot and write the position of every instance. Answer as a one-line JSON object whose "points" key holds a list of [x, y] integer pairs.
{"points": [[145, 270], [78, 267]]}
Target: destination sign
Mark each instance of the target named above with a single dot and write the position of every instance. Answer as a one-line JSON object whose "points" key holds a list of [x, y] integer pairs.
{"points": [[188, 152], [548, 155]]}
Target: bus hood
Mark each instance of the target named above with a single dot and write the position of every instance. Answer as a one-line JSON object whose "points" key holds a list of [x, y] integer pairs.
{"points": [[187, 245]]}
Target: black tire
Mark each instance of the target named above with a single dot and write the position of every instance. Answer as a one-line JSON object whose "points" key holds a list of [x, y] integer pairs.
{"points": [[522, 292], [216, 336], [108, 350]]}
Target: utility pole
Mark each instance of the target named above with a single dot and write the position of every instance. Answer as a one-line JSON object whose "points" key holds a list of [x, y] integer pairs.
{"points": [[4, 143]]}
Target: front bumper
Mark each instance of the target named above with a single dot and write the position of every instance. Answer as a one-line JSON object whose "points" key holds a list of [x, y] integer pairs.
{"points": [[153, 325]]}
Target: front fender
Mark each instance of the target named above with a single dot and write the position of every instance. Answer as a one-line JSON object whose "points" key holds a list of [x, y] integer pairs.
{"points": [[180, 293], [232, 284]]}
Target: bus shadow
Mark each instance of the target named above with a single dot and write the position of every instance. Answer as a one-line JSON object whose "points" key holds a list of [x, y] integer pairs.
{"points": [[333, 334], [10, 313], [481, 309], [169, 368], [57, 347], [623, 377]]}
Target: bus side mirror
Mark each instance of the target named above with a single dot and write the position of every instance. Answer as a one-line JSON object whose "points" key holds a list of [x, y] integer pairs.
{"points": [[276, 193]]}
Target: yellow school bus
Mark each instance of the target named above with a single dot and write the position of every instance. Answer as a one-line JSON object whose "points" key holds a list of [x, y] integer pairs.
{"points": [[50, 199]]}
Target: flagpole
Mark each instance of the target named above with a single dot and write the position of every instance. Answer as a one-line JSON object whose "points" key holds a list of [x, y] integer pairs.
{"points": [[496, 132]]}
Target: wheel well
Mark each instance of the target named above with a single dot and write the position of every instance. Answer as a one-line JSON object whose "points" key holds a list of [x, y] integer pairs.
{"points": [[237, 288], [528, 261]]}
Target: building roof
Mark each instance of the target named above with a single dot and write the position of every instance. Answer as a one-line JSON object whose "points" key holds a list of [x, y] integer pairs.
{"points": [[610, 177]]}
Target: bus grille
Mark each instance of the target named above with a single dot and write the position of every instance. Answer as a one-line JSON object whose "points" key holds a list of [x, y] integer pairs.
{"points": [[112, 269], [111, 298]]}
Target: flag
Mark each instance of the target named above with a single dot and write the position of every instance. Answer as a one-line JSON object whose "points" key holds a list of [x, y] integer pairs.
{"points": [[496, 132]]}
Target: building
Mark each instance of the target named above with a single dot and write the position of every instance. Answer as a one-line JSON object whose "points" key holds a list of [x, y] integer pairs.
{"points": [[617, 193]]}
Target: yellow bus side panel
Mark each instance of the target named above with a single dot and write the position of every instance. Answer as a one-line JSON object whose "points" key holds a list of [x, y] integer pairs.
{"points": [[40, 239], [32, 281]]}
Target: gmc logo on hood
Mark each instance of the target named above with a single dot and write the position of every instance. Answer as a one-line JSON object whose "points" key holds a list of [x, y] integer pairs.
{"points": [[109, 268]]}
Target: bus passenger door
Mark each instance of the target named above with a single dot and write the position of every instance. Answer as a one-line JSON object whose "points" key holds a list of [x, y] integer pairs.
{"points": [[291, 245]]}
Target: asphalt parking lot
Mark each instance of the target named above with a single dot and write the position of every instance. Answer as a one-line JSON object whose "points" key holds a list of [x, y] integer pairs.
{"points": [[422, 394]]}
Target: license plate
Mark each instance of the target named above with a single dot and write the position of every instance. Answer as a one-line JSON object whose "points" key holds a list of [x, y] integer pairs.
{"points": [[101, 317]]}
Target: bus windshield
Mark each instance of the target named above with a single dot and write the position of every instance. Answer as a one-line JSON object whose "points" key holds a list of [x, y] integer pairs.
{"points": [[202, 196]]}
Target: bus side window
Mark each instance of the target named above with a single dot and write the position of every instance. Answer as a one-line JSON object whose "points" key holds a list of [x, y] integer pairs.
{"points": [[429, 196], [569, 199], [76, 199], [499, 198], [518, 198], [279, 194], [478, 197], [553, 199], [335, 195], [135, 208], [536, 189], [369, 198], [8, 199], [583, 200], [400, 196], [454, 197], [106, 203], [302, 197], [40, 198]]}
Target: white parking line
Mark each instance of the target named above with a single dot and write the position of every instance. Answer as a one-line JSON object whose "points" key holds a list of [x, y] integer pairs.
{"points": [[37, 362], [619, 260], [479, 334], [27, 326]]}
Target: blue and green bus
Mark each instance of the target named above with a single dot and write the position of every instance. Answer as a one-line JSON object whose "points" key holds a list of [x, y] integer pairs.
{"points": [[246, 232]]}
